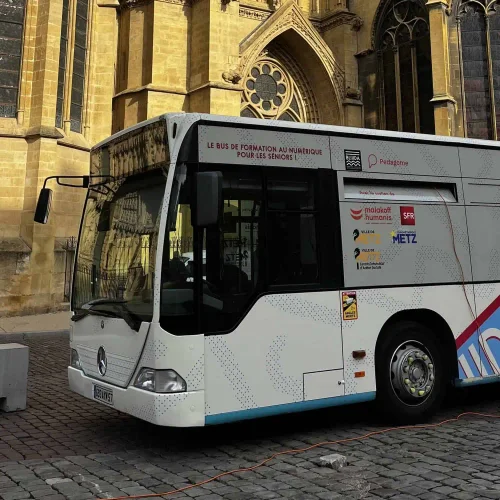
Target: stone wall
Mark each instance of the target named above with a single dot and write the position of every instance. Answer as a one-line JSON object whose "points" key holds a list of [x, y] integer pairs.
{"points": [[32, 256], [148, 57]]}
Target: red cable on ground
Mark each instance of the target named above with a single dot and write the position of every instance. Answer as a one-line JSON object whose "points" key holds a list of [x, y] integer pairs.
{"points": [[301, 450]]}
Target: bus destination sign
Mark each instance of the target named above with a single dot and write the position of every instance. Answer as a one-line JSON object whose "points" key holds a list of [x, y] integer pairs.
{"points": [[232, 146]]}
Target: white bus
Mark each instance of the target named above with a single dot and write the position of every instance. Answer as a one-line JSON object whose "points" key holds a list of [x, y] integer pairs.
{"points": [[330, 266]]}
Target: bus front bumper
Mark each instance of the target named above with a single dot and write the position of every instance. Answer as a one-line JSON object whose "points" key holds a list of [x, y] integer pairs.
{"points": [[185, 409]]}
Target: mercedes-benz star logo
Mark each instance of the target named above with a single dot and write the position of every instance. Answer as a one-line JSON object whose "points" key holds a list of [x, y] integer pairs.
{"points": [[102, 324], [102, 362]]}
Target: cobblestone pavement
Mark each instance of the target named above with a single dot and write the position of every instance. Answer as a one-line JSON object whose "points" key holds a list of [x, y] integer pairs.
{"points": [[63, 446]]}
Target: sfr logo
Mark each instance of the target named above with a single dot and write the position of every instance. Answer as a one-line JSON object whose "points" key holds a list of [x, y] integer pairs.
{"points": [[407, 216]]}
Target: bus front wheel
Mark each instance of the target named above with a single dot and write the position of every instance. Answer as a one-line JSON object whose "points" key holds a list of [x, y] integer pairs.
{"points": [[411, 375]]}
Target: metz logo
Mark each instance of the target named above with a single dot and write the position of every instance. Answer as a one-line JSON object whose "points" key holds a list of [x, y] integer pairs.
{"points": [[407, 216], [356, 214]]}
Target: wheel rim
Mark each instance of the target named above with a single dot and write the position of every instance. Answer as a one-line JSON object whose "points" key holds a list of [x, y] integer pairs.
{"points": [[412, 373]]}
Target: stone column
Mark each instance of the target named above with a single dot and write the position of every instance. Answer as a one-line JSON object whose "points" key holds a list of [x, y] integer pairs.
{"points": [[214, 85], [444, 103], [41, 156], [135, 48], [340, 32]]}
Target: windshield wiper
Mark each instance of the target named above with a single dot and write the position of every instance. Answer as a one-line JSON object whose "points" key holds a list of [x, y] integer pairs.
{"points": [[96, 302], [122, 311], [85, 312]]}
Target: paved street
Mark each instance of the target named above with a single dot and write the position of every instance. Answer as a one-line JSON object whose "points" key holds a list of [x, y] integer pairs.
{"points": [[63, 446]]}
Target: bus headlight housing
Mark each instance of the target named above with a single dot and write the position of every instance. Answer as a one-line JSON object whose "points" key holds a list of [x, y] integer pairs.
{"points": [[160, 381], [75, 360]]}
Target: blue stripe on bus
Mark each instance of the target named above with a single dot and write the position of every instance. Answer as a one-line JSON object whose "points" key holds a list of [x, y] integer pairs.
{"points": [[267, 411], [477, 381]]}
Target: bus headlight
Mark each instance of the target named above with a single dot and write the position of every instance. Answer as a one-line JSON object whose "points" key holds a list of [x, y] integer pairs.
{"points": [[75, 360], [160, 381]]}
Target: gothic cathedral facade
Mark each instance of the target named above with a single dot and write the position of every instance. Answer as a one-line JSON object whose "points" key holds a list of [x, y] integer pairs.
{"points": [[72, 72]]}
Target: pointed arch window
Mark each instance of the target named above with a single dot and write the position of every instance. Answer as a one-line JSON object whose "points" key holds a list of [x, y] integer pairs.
{"points": [[405, 67], [12, 14], [72, 62], [479, 32]]}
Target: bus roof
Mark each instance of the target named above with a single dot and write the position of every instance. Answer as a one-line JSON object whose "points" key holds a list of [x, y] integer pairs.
{"points": [[311, 128]]}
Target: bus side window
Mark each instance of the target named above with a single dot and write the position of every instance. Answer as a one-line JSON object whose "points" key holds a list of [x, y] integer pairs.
{"points": [[291, 228], [232, 252]]}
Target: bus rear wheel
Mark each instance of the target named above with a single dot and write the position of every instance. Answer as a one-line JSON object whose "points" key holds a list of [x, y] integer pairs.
{"points": [[411, 374]]}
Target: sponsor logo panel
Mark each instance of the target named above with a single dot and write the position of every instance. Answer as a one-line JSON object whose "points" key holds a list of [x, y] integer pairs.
{"points": [[407, 216], [404, 237], [373, 215], [368, 258], [374, 160], [366, 237], [349, 306], [353, 160]]}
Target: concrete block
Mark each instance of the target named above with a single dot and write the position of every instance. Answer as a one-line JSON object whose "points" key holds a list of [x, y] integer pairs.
{"points": [[334, 461], [14, 360]]}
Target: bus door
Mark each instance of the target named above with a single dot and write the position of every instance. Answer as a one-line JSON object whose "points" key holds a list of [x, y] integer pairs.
{"points": [[278, 327]]}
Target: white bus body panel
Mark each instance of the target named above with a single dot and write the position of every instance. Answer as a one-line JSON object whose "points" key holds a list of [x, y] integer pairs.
{"points": [[185, 355], [281, 342]]}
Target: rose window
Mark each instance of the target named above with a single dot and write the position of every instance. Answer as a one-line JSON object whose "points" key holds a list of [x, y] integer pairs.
{"points": [[268, 88]]}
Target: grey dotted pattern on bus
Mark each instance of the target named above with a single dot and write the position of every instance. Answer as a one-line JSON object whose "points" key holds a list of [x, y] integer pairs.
{"points": [[459, 233], [143, 411], [435, 166], [166, 404], [381, 300], [392, 252], [154, 349], [285, 384], [495, 211], [428, 254], [195, 377], [353, 365], [153, 410], [298, 306], [485, 291], [487, 163], [148, 354], [236, 378], [494, 267], [417, 298]]}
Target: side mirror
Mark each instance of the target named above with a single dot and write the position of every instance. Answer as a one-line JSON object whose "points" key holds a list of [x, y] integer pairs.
{"points": [[208, 209], [43, 206]]}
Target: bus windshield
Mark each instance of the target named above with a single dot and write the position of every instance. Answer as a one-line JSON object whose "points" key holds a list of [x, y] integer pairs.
{"points": [[117, 251]]}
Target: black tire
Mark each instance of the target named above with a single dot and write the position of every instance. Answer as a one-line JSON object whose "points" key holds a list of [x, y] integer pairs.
{"points": [[395, 402]]}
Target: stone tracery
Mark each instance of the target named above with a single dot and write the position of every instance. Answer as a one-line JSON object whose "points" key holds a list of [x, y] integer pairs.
{"points": [[276, 88]]}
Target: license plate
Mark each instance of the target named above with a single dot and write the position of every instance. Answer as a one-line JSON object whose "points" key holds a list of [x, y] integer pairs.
{"points": [[103, 395]]}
